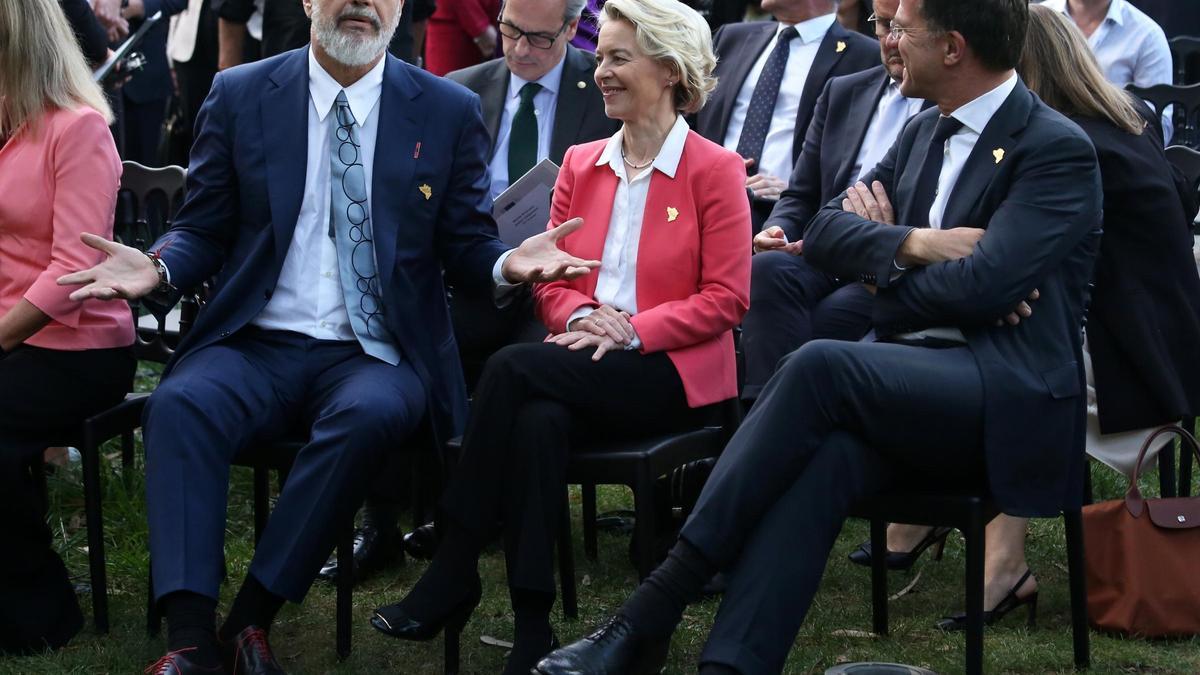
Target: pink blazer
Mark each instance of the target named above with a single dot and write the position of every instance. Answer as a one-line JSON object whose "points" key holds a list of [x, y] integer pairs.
{"points": [[55, 185], [693, 271]]}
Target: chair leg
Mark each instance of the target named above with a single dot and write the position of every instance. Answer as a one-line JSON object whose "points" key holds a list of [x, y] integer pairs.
{"points": [[644, 523], [1088, 494], [590, 549], [974, 583], [262, 504], [345, 590], [127, 448], [1073, 521], [95, 528], [566, 561], [1166, 470], [879, 581]]}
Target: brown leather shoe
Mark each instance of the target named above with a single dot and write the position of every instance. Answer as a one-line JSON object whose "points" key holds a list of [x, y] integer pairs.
{"points": [[250, 654], [177, 663]]}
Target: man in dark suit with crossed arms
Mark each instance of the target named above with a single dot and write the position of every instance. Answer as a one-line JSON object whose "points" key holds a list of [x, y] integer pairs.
{"points": [[770, 76], [996, 195], [856, 120]]}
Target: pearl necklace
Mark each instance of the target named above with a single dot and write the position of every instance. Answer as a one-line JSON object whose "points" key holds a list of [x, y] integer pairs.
{"points": [[637, 167]]}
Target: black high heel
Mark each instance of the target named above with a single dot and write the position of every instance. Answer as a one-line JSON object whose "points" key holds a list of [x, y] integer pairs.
{"points": [[393, 621], [958, 622], [902, 560]]}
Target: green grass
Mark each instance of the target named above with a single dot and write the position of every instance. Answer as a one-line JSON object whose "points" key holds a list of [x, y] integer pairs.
{"points": [[835, 631]]}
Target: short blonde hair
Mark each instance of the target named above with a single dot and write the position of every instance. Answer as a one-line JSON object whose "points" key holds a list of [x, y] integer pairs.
{"points": [[41, 66], [671, 32]]}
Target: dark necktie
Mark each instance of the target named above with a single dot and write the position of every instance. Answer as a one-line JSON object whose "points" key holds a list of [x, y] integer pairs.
{"points": [[523, 139], [762, 102], [927, 181]]}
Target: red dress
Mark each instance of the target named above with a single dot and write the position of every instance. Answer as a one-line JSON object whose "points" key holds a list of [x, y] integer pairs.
{"points": [[451, 31]]}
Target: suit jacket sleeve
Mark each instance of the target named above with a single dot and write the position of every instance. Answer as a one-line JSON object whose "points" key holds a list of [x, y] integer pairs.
{"points": [[168, 7], [466, 239], [91, 35], [1051, 205], [723, 289], [194, 248], [556, 301], [802, 198]]}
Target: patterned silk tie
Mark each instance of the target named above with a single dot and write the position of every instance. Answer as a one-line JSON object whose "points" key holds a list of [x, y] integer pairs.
{"points": [[350, 228], [523, 139], [931, 170], [762, 102]]}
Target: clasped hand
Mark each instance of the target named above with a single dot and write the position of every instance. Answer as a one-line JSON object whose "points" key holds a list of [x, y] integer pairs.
{"points": [[606, 328]]}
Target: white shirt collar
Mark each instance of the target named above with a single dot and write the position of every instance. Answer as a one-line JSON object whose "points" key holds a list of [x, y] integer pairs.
{"points": [[668, 157], [1116, 10], [550, 82], [362, 95], [976, 114], [812, 30]]}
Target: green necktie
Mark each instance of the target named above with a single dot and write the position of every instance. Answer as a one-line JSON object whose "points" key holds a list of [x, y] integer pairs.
{"points": [[523, 141]]}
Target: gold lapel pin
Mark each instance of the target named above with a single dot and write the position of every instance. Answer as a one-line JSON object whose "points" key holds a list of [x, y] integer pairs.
{"points": [[998, 153], [426, 190], [672, 214], [841, 46], [581, 84]]}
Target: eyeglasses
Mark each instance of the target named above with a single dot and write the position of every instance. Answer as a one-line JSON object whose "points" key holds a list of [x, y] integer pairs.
{"points": [[886, 24], [897, 31], [538, 40]]}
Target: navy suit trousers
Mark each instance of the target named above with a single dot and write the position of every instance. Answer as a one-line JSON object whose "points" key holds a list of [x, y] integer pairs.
{"points": [[254, 388], [840, 420]]}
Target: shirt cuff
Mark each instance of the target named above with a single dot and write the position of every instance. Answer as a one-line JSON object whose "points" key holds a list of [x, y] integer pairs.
{"points": [[498, 274], [635, 344], [578, 314]]}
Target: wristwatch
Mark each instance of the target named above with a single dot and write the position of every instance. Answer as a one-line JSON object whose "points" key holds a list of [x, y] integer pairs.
{"points": [[164, 285]]}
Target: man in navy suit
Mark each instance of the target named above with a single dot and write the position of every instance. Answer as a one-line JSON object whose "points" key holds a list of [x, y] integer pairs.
{"points": [[995, 195], [769, 77], [330, 188], [856, 120]]}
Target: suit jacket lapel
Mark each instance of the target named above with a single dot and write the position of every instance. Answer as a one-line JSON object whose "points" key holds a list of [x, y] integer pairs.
{"points": [[284, 119], [400, 125], [739, 69], [864, 101], [827, 57], [982, 164], [491, 99], [572, 101]]}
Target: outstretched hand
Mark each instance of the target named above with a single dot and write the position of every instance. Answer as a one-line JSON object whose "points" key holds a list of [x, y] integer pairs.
{"points": [[125, 273], [539, 259]]}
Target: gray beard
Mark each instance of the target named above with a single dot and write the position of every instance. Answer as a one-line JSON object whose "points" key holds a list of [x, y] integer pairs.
{"points": [[348, 48]]}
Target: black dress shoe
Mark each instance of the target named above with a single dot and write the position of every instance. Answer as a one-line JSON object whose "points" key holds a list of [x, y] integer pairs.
{"points": [[177, 663], [421, 542], [614, 649], [250, 654], [902, 560], [374, 549]]}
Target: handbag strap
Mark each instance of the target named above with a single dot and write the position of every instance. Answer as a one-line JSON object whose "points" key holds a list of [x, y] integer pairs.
{"points": [[1134, 501]]}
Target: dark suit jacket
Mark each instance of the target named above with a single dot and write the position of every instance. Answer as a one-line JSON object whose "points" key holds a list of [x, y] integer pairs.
{"points": [[1040, 203], [579, 117], [739, 45], [840, 121], [1144, 321], [246, 183], [153, 82], [92, 37]]}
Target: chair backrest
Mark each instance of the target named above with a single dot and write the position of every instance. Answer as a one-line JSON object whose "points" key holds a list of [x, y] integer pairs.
{"points": [[1186, 102], [147, 202], [1187, 161], [1185, 53]]}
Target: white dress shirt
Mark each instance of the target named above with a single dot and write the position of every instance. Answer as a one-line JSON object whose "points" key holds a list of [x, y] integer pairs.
{"points": [[974, 116], [616, 282], [777, 150], [1131, 49], [545, 103], [308, 296], [893, 111]]}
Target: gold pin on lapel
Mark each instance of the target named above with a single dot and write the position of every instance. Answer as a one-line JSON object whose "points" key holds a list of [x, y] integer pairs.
{"points": [[672, 214], [998, 153], [426, 190], [581, 84], [841, 46]]}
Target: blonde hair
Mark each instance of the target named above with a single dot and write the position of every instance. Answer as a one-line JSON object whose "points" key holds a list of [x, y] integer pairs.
{"points": [[671, 32], [41, 66], [1059, 67]]}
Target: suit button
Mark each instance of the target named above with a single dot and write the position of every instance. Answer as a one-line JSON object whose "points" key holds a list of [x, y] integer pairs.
{"points": [[224, 333]]}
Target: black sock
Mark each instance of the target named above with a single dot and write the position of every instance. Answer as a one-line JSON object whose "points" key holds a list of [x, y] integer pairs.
{"points": [[531, 611], [192, 624], [380, 516], [656, 607], [253, 606], [717, 669], [451, 576]]}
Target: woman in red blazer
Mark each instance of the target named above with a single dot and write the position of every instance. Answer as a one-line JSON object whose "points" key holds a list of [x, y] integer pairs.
{"points": [[643, 345], [460, 34]]}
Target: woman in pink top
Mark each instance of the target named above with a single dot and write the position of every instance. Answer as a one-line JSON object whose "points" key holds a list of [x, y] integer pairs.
{"points": [[60, 361]]}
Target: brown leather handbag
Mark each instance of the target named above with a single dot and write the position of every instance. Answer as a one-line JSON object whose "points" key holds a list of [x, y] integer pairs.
{"points": [[1142, 558]]}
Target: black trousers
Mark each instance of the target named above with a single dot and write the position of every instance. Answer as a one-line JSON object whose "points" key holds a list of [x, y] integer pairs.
{"points": [[840, 420], [482, 329], [195, 76], [792, 302], [43, 393], [533, 404]]}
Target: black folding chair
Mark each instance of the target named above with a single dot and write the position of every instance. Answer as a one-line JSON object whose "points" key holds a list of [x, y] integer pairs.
{"points": [[1185, 53], [1186, 110]]}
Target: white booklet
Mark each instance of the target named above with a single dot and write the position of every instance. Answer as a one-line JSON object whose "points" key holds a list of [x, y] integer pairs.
{"points": [[523, 210]]}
